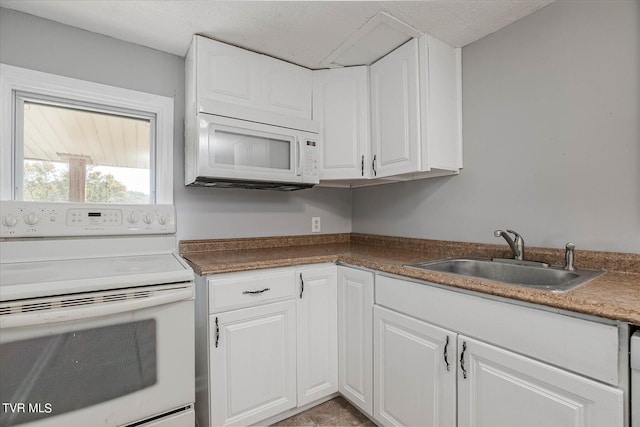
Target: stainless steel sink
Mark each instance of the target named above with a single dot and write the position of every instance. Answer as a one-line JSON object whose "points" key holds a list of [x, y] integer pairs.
{"points": [[522, 273]]}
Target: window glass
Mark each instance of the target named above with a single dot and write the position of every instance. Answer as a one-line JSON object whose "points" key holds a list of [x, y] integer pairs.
{"points": [[84, 155]]}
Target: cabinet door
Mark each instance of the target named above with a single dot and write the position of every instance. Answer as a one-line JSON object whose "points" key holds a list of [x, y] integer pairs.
{"points": [[355, 337], [414, 372], [252, 363], [500, 388], [317, 334], [341, 105], [395, 124], [286, 88], [227, 73]]}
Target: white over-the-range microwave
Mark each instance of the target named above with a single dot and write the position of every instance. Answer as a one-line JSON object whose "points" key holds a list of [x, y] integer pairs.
{"points": [[232, 153]]}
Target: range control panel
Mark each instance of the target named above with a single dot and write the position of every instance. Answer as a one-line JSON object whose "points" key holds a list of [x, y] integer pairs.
{"points": [[35, 219]]}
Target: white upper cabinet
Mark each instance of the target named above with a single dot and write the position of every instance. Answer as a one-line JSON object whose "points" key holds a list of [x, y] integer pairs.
{"points": [[341, 106], [287, 87], [227, 73], [414, 116], [440, 106], [233, 82], [395, 112]]}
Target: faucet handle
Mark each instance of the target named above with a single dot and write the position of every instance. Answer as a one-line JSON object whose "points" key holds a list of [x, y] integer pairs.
{"points": [[569, 256]]}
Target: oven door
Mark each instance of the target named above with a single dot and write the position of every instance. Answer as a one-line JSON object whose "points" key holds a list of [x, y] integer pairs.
{"points": [[125, 356]]}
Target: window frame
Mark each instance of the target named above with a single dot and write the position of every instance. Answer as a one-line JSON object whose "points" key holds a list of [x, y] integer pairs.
{"points": [[16, 82]]}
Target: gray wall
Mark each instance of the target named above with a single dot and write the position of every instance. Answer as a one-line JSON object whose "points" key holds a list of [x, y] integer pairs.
{"points": [[43, 45], [551, 133], [551, 122]]}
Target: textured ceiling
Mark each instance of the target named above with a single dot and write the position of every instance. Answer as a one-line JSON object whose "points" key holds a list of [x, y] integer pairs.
{"points": [[302, 32]]}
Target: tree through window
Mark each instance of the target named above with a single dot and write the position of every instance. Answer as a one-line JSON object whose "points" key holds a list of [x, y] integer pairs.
{"points": [[84, 155]]}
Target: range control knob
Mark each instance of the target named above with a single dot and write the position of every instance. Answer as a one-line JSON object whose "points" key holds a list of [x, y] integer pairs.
{"points": [[164, 219], [132, 218], [148, 219], [9, 220], [31, 218]]}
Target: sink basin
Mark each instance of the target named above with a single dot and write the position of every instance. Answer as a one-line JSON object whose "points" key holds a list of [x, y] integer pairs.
{"points": [[522, 273]]}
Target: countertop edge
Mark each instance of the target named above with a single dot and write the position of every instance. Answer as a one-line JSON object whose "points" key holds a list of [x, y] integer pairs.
{"points": [[569, 301]]}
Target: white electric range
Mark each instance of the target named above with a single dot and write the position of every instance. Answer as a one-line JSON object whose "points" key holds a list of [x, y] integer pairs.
{"points": [[96, 317]]}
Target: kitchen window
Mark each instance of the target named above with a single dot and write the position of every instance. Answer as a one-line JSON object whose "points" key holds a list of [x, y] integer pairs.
{"points": [[68, 140]]}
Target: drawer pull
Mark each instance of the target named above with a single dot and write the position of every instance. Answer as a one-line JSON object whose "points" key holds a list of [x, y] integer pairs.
{"points": [[256, 292], [446, 355], [464, 370]]}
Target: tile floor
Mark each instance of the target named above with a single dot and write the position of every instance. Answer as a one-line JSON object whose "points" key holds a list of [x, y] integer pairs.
{"points": [[336, 412]]}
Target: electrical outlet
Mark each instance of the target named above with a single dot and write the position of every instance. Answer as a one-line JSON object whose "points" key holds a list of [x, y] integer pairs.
{"points": [[315, 224]]}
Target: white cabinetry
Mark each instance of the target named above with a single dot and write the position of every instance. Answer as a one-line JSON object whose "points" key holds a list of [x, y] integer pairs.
{"points": [[253, 355], [502, 388], [287, 87], [341, 106], [495, 386], [266, 342], [395, 112], [414, 372], [229, 81], [414, 104], [355, 335], [317, 334]]}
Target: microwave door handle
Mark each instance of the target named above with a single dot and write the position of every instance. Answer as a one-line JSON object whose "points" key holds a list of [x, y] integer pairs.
{"points": [[299, 157]]}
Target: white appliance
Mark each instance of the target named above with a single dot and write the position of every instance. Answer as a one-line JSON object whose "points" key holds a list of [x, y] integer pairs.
{"points": [[96, 317], [635, 380], [233, 153]]}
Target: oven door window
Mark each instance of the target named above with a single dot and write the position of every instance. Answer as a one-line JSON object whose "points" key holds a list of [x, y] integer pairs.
{"points": [[60, 373]]}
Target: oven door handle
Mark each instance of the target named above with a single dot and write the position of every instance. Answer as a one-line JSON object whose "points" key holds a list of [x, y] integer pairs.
{"points": [[90, 311]]}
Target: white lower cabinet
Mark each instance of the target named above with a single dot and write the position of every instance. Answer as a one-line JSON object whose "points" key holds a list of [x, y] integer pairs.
{"points": [[317, 334], [253, 363], [416, 369], [502, 388], [271, 343], [414, 372], [425, 375], [273, 340], [355, 337]]}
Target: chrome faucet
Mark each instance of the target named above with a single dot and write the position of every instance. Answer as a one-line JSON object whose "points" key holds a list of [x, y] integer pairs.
{"points": [[517, 245], [569, 257]]}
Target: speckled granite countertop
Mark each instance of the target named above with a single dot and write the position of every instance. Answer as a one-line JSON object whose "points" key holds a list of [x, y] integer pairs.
{"points": [[614, 295]]}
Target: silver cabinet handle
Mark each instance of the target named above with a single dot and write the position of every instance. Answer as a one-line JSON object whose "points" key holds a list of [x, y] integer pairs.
{"points": [[256, 292], [464, 370], [446, 355], [301, 285], [373, 166], [217, 333]]}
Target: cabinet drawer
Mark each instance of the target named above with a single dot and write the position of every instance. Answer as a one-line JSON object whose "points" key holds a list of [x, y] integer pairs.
{"points": [[236, 290]]}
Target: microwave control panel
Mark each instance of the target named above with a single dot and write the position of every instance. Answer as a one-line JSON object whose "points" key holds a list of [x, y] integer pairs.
{"points": [[311, 158]]}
